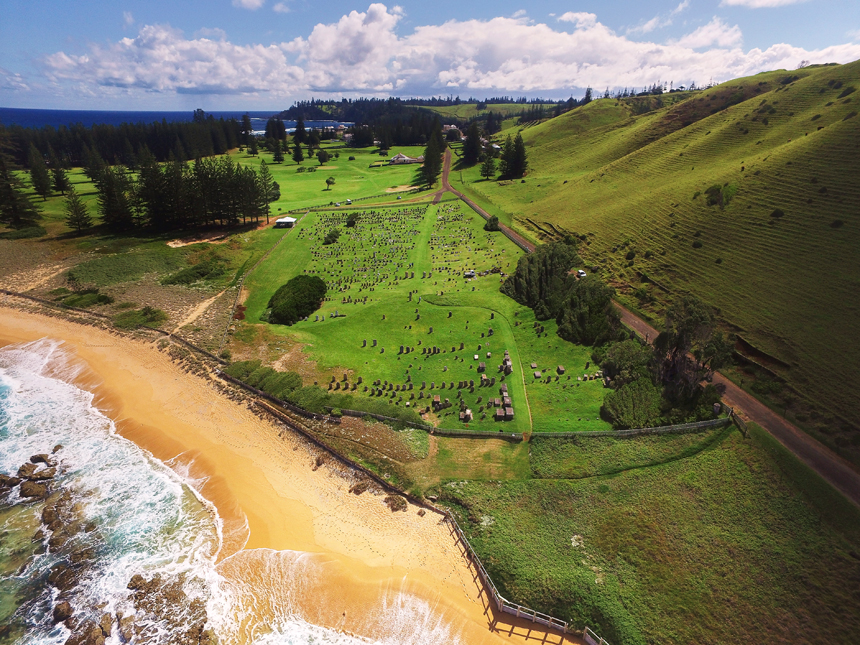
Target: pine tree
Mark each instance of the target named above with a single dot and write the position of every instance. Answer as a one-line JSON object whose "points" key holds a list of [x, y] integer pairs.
{"points": [[520, 158], [298, 154], [246, 129], [278, 155], [488, 168], [252, 147], [61, 180], [39, 175], [300, 135], [265, 188], [429, 172], [16, 208], [115, 199], [472, 147], [507, 158], [77, 216]]}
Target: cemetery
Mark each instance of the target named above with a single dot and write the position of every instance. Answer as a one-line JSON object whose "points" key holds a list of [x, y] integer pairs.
{"points": [[413, 316]]}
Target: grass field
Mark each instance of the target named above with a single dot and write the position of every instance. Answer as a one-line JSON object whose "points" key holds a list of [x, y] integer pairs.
{"points": [[367, 175], [375, 303], [736, 543], [778, 261]]}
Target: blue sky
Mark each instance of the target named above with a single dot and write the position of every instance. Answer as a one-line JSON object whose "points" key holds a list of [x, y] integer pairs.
{"points": [[265, 54]]}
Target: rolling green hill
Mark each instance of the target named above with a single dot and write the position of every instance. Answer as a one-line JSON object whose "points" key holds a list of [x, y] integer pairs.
{"points": [[776, 252]]}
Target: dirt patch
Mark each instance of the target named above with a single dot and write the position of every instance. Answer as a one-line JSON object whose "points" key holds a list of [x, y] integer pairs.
{"points": [[400, 189], [197, 239]]}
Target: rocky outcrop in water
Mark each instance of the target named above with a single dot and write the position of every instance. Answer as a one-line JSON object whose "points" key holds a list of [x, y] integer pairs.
{"points": [[166, 601]]}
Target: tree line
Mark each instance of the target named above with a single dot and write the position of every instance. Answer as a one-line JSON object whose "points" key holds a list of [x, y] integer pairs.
{"points": [[649, 385], [178, 195], [124, 144]]}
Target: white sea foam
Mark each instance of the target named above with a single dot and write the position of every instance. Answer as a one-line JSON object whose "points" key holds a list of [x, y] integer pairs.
{"points": [[153, 519]]}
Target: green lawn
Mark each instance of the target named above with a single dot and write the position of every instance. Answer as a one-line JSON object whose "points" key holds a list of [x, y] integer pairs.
{"points": [[368, 175], [737, 543], [441, 241]]}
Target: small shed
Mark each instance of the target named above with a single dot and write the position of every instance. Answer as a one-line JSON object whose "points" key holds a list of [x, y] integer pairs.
{"points": [[285, 222], [499, 415], [560, 369], [509, 414]]}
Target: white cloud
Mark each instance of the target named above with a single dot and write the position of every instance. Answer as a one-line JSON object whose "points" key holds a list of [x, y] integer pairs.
{"points": [[215, 33], [715, 33], [12, 81], [281, 7], [684, 5], [362, 53], [127, 18], [519, 13], [854, 35], [581, 19], [758, 4], [253, 5], [647, 27]]}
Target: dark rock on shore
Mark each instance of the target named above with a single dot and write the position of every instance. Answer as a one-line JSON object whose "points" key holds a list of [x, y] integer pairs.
{"points": [[9, 481], [43, 459], [32, 489], [45, 473], [62, 611], [26, 470]]}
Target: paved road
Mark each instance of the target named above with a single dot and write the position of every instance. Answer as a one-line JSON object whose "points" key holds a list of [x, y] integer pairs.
{"points": [[516, 238], [838, 472]]}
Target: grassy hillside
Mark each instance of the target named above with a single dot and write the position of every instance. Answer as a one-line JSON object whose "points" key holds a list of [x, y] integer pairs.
{"points": [[778, 258], [466, 111]]}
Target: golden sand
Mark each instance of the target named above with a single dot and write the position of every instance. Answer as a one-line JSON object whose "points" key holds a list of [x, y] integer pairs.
{"points": [[360, 559]]}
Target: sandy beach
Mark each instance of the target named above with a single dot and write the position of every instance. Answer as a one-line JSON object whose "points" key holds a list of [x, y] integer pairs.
{"points": [[341, 560]]}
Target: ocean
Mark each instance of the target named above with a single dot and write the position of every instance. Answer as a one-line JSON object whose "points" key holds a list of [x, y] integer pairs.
{"points": [[30, 118], [125, 535]]}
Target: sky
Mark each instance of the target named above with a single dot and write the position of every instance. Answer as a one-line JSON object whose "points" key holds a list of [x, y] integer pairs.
{"points": [[267, 54]]}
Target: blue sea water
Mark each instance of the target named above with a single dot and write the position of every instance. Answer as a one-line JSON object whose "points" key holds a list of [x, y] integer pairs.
{"points": [[33, 118], [149, 520]]}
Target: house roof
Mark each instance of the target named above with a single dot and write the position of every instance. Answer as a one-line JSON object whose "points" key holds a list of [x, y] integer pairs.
{"points": [[285, 220]]}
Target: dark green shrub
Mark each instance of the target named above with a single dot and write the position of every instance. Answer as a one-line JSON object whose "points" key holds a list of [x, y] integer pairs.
{"points": [[850, 115], [298, 298], [332, 236], [697, 244], [630, 255], [635, 405], [88, 298], [206, 269], [837, 223], [492, 224], [848, 90], [145, 317], [777, 213], [24, 233]]}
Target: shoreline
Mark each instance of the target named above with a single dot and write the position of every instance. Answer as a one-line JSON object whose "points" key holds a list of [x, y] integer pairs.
{"points": [[270, 499]]}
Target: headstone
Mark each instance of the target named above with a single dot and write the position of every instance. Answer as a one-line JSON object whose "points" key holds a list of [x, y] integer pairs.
{"points": [[374, 342], [364, 343]]}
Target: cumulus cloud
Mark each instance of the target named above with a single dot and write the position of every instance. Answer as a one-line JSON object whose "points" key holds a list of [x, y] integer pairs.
{"points": [[249, 4], [281, 7], [715, 33], [362, 53], [160, 59], [758, 4], [683, 5]]}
